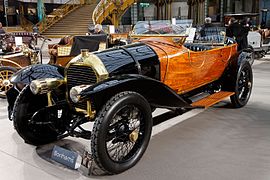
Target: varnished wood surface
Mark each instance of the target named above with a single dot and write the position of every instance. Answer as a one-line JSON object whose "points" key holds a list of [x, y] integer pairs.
{"points": [[22, 60], [63, 60], [184, 70]]}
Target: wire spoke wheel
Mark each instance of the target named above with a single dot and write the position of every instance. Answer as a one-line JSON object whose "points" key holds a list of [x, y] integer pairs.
{"points": [[121, 132], [124, 133], [5, 84]]}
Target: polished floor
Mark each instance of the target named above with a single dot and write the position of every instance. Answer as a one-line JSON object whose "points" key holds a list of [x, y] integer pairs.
{"points": [[219, 143]]}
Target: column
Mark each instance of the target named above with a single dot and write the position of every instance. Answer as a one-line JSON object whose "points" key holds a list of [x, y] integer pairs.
{"points": [[221, 11], [134, 13], [205, 8]]}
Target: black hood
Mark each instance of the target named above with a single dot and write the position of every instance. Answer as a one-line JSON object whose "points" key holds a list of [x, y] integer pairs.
{"points": [[137, 58]]}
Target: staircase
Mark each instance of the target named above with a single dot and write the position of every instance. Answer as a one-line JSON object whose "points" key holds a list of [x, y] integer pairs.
{"points": [[75, 23]]}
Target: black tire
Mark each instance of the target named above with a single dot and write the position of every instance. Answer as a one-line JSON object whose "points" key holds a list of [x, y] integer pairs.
{"points": [[25, 106], [124, 114], [5, 73], [243, 85]]}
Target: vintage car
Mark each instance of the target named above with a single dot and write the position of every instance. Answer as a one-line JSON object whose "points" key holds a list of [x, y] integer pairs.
{"points": [[17, 50], [258, 38], [117, 89]]}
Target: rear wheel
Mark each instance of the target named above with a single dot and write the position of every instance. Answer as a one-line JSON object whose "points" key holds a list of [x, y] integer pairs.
{"points": [[121, 132], [243, 85], [5, 84], [42, 129]]}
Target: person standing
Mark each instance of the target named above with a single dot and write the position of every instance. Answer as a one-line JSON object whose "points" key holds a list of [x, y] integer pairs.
{"points": [[2, 31], [245, 28], [97, 30], [207, 24], [239, 32]]}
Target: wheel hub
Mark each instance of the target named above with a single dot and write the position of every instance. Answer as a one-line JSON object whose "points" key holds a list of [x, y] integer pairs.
{"points": [[6, 82], [133, 136], [249, 84]]}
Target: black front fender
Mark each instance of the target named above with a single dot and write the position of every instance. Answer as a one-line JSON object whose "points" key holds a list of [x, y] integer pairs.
{"points": [[156, 93], [30, 73]]}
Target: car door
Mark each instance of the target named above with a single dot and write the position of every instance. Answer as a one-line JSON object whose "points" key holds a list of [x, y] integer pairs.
{"points": [[215, 62]]}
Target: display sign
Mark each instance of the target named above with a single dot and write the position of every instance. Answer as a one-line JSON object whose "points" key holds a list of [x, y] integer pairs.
{"points": [[111, 29], [18, 41], [173, 21], [66, 157], [191, 32], [144, 4]]}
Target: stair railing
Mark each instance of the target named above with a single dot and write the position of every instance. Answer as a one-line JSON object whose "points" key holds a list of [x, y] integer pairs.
{"points": [[111, 9], [26, 24], [58, 14]]}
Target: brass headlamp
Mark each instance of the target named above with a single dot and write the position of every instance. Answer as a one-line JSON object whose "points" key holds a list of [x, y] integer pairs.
{"points": [[74, 92], [42, 86]]}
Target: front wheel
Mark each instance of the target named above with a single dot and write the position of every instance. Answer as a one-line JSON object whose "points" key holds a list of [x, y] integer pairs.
{"points": [[243, 85], [45, 127], [121, 132]]}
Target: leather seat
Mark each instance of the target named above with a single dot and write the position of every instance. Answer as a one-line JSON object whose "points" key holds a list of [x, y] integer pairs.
{"points": [[197, 47]]}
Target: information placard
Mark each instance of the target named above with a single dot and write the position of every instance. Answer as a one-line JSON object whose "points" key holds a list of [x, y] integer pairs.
{"points": [[66, 157]]}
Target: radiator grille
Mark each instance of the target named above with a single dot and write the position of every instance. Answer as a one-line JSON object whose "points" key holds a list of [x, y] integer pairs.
{"points": [[82, 105], [79, 75]]}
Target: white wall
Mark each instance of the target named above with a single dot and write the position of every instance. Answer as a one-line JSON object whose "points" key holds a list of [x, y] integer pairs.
{"points": [[175, 9], [150, 11]]}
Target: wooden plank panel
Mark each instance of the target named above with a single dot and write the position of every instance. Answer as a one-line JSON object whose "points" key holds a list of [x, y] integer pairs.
{"points": [[212, 99]]}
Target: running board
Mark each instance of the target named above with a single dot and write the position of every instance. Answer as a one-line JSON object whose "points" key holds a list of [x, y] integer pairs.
{"points": [[212, 99]]}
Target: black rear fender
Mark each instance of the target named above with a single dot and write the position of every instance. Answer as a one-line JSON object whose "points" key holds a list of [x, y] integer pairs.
{"points": [[156, 93], [229, 76]]}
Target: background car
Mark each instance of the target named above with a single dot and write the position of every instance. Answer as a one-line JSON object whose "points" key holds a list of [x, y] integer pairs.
{"points": [[14, 57], [258, 36]]}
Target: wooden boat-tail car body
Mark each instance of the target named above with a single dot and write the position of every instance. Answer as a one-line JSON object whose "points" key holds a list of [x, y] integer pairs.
{"points": [[184, 70], [118, 89]]}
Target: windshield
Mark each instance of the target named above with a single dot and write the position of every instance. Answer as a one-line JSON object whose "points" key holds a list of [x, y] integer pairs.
{"points": [[163, 27]]}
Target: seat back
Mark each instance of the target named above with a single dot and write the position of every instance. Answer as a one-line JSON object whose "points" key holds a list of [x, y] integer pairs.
{"points": [[90, 42], [210, 31], [63, 50], [212, 39]]}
